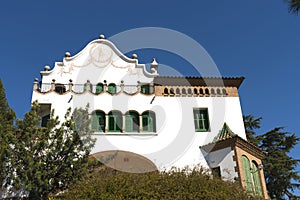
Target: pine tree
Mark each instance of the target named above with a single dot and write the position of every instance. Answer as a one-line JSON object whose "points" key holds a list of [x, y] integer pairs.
{"points": [[7, 117], [279, 167], [50, 159], [251, 124]]}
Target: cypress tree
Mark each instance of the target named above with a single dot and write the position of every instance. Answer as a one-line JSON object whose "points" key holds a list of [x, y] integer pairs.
{"points": [[7, 117]]}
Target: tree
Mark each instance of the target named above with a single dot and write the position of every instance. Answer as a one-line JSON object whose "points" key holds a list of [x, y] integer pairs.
{"points": [[51, 159], [251, 124], [7, 117], [279, 168], [294, 6]]}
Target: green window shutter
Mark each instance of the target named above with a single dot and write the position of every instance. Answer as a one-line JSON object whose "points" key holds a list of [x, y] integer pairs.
{"points": [[98, 121], [247, 174], [201, 120], [148, 120], [128, 123], [256, 179], [99, 88], [145, 89], [111, 123], [115, 122], [95, 122], [112, 88]]}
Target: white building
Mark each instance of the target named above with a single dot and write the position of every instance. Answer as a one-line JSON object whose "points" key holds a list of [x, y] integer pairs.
{"points": [[145, 122]]}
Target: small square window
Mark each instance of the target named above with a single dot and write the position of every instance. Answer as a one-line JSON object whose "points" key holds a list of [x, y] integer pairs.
{"points": [[201, 119]]}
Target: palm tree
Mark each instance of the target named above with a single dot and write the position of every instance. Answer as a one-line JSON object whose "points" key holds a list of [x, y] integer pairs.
{"points": [[294, 6]]}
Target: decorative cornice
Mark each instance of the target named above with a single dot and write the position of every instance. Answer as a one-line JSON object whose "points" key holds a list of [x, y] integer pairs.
{"points": [[198, 81]]}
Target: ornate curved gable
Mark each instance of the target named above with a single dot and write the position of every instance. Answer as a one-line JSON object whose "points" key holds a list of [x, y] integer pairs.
{"points": [[100, 60]]}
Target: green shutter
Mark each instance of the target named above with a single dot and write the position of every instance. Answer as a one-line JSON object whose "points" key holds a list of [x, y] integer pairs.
{"points": [[247, 174], [112, 89], [115, 122], [256, 179], [98, 121], [148, 122], [99, 88], [128, 123]]}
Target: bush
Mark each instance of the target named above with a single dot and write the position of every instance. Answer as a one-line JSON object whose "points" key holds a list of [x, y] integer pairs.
{"points": [[175, 184]]}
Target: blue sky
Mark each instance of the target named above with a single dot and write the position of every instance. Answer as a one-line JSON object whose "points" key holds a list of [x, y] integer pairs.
{"points": [[256, 39]]}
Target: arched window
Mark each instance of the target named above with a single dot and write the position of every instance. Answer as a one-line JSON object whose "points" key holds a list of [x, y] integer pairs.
{"points": [[218, 91], [224, 91], [148, 119], [212, 91], [166, 91], [132, 122], [115, 121], [206, 91], [256, 179], [147, 89], [98, 121], [195, 91], [112, 88], [201, 91], [172, 91], [177, 91], [247, 174], [99, 88], [189, 91], [60, 88], [85, 87], [183, 91]]}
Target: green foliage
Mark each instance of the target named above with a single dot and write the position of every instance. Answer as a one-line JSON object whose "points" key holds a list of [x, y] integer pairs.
{"points": [[279, 167], [7, 117], [294, 6], [109, 184], [51, 159], [251, 124]]}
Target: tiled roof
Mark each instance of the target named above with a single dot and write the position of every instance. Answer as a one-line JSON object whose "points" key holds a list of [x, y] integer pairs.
{"points": [[198, 81], [225, 133]]}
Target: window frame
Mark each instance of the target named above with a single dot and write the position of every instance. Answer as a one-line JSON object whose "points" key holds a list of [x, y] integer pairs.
{"points": [[116, 118], [202, 121], [132, 119], [95, 118], [150, 117]]}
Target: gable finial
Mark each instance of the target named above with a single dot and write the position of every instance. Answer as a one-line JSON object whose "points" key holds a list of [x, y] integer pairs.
{"points": [[134, 56], [102, 36]]}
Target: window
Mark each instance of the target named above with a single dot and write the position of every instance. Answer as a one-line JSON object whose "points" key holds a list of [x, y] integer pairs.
{"points": [[45, 120], [99, 88], [146, 89], [216, 172], [132, 121], [111, 88], [256, 179], [148, 119], [98, 121], [60, 88], [251, 176], [85, 87], [247, 174], [115, 121], [201, 119]]}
